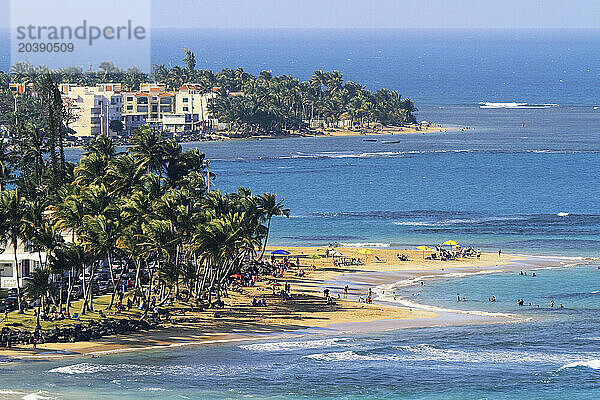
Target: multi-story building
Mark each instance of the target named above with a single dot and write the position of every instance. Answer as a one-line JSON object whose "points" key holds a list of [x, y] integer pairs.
{"points": [[191, 110], [21, 88], [146, 106], [27, 260], [94, 107]]}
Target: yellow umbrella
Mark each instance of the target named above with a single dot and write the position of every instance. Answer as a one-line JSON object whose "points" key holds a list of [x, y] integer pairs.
{"points": [[365, 251], [450, 243], [315, 256], [424, 248]]}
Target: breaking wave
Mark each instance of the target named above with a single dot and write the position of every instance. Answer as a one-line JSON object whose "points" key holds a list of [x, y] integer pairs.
{"points": [[365, 244], [428, 353], [486, 104], [593, 364], [296, 345]]}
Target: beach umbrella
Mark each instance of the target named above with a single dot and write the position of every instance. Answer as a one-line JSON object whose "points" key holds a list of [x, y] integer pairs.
{"points": [[424, 248], [450, 243], [236, 276], [366, 252], [315, 256], [337, 254], [281, 252]]}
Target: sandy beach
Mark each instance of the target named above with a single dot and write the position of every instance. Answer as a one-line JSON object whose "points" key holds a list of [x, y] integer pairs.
{"points": [[389, 130], [307, 309]]}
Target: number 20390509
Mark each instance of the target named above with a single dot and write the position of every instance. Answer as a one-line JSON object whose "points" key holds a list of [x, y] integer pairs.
{"points": [[50, 47]]}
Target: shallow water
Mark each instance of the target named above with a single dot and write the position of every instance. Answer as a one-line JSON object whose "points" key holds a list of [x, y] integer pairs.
{"points": [[532, 189], [555, 355]]}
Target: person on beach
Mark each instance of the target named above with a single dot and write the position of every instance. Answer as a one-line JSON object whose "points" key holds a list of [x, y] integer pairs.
{"points": [[499, 253], [346, 291], [5, 316], [552, 303], [457, 296]]}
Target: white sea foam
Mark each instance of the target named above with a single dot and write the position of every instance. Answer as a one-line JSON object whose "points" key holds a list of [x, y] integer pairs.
{"points": [[593, 364], [41, 395], [295, 345], [460, 221], [425, 352], [514, 105], [153, 389], [10, 392], [416, 223], [385, 293], [348, 356], [81, 368], [365, 244]]}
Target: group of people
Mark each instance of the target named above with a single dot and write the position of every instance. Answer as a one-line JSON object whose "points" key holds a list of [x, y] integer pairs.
{"points": [[347, 261], [457, 252], [51, 314], [368, 299], [259, 303], [402, 257], [525, 273]]}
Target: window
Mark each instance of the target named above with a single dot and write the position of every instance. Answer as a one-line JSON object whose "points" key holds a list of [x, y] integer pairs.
{"points": [[129, 108], [185, 99], [6, 270], [26, 268], [142, 100], [129, 98], [185, 108]]}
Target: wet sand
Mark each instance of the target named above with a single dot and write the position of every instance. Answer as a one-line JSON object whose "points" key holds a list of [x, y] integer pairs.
{"points": [[307, 309]]}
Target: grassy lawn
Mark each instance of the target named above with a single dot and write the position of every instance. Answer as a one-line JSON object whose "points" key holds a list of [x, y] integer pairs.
{"points": [[28, 320]]}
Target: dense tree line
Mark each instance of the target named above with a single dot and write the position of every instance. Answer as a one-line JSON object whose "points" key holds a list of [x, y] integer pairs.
{"points": [[262, 103], [146, 209]]}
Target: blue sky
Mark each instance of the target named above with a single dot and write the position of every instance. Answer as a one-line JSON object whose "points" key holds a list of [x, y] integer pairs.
{"points": [[378, 13], [369, 14]]}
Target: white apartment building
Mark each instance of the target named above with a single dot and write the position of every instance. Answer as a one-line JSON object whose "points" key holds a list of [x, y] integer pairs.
{"points": [[146, 106], [27, 261], [191, 110], [95, 107]]}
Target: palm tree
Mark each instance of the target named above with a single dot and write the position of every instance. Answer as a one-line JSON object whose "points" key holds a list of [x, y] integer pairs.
{"points": [[147, 149], [158, 240], [12, 207], [91, 169], [39, 286], [102, 146], [270, 207], [124, 175], [100, 236], [5, 170]]}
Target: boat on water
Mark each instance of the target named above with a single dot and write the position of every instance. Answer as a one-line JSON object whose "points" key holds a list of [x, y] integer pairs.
{"points": [[390, 141], [369, 140]]}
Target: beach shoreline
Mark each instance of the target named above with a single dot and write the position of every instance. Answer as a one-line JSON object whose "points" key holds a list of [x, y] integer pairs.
{"points": [[307, 312]]}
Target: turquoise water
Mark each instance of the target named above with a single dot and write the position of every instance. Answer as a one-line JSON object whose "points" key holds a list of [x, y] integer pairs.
{"points": [[532, 189], [553, 356]]}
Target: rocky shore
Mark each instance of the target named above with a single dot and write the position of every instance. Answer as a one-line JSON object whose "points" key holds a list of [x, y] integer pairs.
{"points": [[76, 333]]}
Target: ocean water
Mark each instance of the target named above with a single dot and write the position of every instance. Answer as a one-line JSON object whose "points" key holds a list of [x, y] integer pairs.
{"points": [[522, 179], [552, 356]]}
